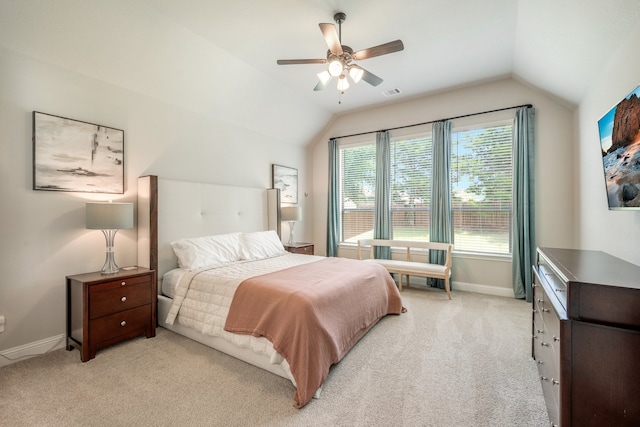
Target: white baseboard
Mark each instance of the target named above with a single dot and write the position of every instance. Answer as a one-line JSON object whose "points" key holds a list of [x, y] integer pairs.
{"points": [[468, 287], [482, 289], [36, 348]]}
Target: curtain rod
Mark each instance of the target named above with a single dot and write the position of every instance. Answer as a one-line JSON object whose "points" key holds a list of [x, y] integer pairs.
{"points": [[434, 121]]}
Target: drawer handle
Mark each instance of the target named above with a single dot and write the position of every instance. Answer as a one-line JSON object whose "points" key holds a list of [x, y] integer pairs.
{"points": [[544, 344], [561, 290], [556, 339], [123, 323], [123, 283], [123, 299], [539, 300], [555, 382], [543, 378], [545, 310], [540, 362], [540, 331]]}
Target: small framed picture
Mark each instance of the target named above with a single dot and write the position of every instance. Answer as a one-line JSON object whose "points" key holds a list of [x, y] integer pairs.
{"points": [[70, 155], [286, 179]]}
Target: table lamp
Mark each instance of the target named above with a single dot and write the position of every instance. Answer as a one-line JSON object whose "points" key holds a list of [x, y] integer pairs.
{"points": [[291, 214], [109, 217]]}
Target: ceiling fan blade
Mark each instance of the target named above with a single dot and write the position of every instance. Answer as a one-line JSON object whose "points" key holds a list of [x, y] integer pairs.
{"points": [[383, 49], [331, 37], [301, 61], [370, 78], [320, 86]]}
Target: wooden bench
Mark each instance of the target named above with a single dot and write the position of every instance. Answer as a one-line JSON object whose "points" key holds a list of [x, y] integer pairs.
{"points": [[409, 267]]}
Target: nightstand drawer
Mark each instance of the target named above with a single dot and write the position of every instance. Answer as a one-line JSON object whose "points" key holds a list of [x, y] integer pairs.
{"points": [[119, 283], [131, 322], [118, 298], [300, 248]]}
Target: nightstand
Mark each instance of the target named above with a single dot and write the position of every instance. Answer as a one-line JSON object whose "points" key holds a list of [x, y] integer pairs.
{"points": [[300, 248], [104, 309]]}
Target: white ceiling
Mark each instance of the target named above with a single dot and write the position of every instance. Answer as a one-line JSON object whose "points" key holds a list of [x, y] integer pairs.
{"points": [[218, 58], [556, 45]]}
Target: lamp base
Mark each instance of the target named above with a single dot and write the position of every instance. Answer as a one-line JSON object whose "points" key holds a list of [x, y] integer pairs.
{"points": [[110, 266], [291, 225]]}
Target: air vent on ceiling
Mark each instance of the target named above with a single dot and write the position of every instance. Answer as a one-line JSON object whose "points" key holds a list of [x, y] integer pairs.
{"points": [[391, 92]]}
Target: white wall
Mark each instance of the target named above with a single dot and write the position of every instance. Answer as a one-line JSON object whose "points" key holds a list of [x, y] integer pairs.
{"points": [[555, 151], [615, 232], [42, 233]]}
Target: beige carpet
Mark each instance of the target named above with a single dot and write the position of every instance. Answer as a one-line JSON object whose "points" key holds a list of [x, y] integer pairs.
{"points": [[464, 362]]}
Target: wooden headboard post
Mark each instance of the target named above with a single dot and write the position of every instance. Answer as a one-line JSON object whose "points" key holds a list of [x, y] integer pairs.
{"points": [[148, 221]]}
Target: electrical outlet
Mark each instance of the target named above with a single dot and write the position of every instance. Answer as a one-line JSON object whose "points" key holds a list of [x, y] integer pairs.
{"points": [[1, 323]]}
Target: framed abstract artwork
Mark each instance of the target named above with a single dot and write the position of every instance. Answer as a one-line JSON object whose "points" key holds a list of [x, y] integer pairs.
{"points": [[286, 179], [70, 155]]}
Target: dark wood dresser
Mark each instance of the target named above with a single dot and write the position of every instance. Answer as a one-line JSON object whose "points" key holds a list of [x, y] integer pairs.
{"points": [[586, 337], [106, 309]]}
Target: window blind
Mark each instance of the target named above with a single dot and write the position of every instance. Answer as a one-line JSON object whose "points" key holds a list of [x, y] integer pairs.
{"points": [[481, 177]]}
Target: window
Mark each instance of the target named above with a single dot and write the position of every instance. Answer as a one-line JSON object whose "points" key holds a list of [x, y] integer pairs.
{"points": [[357, 192], [411, 188], [481, 175]]}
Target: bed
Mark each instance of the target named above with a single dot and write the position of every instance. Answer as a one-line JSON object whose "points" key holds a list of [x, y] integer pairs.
{"points": [[237, 307]]}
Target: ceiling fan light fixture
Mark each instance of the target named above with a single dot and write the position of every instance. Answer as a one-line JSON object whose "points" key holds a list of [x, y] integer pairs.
{"points": [[335, 66], [356, 73], [324, 77], [340, 58], [343, 83]]}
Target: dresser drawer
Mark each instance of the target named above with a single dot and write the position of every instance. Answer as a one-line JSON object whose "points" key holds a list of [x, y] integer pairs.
{"points": [[130, 322], [114, 299]]}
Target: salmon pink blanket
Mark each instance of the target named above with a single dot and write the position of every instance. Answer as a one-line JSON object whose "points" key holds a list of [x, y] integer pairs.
{"points": [[314, 313]]}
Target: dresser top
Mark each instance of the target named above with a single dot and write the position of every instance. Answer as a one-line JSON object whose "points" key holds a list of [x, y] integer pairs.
{"points": [[595, 267]]}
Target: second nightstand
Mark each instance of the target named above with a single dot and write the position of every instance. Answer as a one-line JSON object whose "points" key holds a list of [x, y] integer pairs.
{"points": [[106, 309], [300, 248]]}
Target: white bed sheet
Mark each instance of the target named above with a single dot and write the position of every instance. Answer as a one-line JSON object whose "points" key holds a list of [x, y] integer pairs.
{"points": [[202, 298], [171, 280]]}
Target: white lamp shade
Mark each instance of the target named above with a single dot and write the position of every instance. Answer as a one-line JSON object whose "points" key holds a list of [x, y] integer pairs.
{"points": [[356, 73], [343, 84], [335, 67], [324, 77], [291, 213], [109, 216]]}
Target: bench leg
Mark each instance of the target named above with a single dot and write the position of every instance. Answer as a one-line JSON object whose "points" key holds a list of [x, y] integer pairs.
{"points": [[400, 281], [446, 286]]}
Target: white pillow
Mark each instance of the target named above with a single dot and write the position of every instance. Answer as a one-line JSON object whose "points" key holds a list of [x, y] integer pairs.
{"points": [[261, 245], [207, 251]]}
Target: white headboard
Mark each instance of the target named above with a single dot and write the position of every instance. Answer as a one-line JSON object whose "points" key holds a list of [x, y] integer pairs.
{"points": [[170, 210]]}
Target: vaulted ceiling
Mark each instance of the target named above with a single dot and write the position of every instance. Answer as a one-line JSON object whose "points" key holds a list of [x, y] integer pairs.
{"points": [[556, 45], [218, 58]]}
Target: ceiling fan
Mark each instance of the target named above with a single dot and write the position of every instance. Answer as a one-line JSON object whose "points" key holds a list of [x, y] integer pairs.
{"points": [[341, 58]]}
